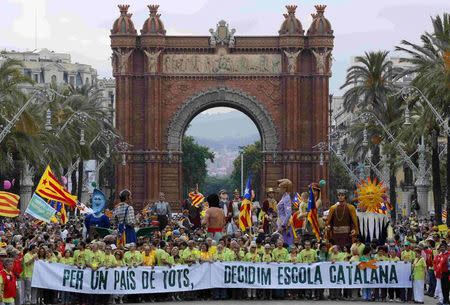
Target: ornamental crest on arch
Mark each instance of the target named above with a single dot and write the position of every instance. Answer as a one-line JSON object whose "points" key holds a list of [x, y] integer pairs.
{"points": [[222, 36]]}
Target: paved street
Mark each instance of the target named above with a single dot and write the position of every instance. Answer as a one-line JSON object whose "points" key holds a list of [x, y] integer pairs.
{"points": [[428, 300]]}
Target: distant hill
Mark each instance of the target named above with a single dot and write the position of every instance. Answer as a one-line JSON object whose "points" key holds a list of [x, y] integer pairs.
{"points": [[233, 125]]}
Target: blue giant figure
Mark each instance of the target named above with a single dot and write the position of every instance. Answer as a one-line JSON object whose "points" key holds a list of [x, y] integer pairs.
{"points": [[98, 218]]}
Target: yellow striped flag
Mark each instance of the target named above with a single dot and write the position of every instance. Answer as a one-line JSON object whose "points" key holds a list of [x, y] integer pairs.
{"points": [[50, 188], [8, 204], [197, 198], [444, 216]]}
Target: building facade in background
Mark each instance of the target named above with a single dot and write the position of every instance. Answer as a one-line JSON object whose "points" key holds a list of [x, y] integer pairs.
{"points": [[406, 189]]}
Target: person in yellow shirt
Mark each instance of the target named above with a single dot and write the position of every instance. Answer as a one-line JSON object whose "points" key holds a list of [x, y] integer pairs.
{"points": [[252, 256], [205, 255], [28, 265], [132, 258], [308, 255], [380, 294], [190, 255], [407, 255], [67, 259], [109, 259], [359, 245], [149, 256], [78, 255], [280, 254], [220, 254], [419, 268], [267, 255], [94, 257], [336, 256], [211, 246], [294, 255]]}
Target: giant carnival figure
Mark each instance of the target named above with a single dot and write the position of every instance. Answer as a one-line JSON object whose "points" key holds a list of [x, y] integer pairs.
{"points": [[268, 210], [342, 223], [373, 211], [284, 208], [97, 219]]}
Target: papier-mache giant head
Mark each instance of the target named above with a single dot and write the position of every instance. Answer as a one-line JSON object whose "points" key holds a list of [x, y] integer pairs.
{"points": [[98, 201]]}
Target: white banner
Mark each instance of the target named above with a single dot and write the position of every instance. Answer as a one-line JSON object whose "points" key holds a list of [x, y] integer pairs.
{"points": [[120, 280], [220, 275], [306, 276]]}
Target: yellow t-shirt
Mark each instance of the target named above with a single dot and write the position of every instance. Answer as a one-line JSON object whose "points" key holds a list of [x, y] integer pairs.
{"points": [[308, 256], [150, 259]]}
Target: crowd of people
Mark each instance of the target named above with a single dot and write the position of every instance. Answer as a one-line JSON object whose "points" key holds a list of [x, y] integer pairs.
{"points": [[210, 231]]}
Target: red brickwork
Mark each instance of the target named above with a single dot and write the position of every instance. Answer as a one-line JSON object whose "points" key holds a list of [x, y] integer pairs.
{"points": [[289, 107]]}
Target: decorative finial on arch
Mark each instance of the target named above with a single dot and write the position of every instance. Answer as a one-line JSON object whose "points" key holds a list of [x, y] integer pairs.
{"points": [[314, 16], [285, 15], [291, 9], [153, 9], [123, 8], [320, 9], [129, 15]]}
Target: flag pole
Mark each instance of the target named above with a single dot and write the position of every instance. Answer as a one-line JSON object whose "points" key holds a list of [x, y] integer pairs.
{"points": [[242, 174]]}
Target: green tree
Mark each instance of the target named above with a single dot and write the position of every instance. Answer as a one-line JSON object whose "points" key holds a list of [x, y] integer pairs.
{"points": [[215, 184], [369, 86], [253, 163], [339, 179], [194, 163], [430, 66]]}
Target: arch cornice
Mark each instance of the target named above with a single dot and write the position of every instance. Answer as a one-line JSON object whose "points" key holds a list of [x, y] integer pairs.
{"points": [[222, 96]]}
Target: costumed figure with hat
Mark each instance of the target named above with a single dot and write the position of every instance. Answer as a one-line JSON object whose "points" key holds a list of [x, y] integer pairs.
{"points": [[373, 211], [223, 202], [284, 209], [193, 204], [97, 219], [234, 206], [268, 210], [342, 223], [125, 219]]}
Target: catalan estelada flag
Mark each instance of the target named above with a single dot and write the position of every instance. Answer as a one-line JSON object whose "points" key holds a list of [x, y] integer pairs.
{"points": [[296, 201], [61, 209], [8, 204], [50, 188], [245, 216], [197, 198], [313, 217]]}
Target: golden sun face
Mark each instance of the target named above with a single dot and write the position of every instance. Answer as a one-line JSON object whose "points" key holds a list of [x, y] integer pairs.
{"points": [[371, 195]]}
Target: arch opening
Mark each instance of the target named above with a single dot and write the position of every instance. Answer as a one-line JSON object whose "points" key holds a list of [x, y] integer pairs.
{"points": [[223, 97]]}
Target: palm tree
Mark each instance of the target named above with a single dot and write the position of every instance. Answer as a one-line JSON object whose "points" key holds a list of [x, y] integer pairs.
{"points": [[431, 69], [87, 101], [369, 85]]}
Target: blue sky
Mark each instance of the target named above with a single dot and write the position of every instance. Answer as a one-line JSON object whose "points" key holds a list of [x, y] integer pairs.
{"points": [[82, 27]]}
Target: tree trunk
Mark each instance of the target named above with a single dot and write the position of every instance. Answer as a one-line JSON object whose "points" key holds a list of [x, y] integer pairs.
{"points": [[437, 191], [375, 160], [80, 179], [448, 177], [392, 192], [73, 179]]}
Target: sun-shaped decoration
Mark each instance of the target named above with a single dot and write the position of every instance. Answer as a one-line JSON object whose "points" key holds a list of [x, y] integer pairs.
{"points": [[372, 196]]}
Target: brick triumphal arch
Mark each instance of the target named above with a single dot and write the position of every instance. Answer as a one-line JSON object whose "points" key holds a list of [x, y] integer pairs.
{"points": [[163, 82]]}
